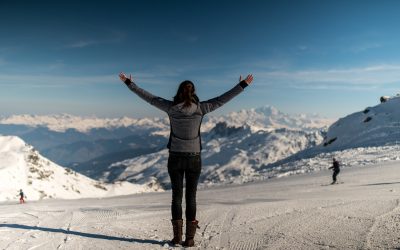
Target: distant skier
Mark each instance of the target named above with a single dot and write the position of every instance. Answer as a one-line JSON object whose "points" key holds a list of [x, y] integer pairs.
{"points": [[336, 170], [185, 114], [21, 197]]}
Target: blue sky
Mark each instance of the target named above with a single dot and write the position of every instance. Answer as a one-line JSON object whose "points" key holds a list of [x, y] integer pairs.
{"points": [[327, 57]]}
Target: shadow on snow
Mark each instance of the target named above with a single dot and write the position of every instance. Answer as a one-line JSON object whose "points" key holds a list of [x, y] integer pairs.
{"points": [[383, 183], [88, 235]]}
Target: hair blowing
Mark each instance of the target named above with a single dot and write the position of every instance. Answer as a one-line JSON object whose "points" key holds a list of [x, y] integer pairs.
{"points": [[186, 93]]}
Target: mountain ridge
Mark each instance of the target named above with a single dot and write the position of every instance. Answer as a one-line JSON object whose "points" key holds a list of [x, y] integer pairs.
{"points": [[23, 167]]}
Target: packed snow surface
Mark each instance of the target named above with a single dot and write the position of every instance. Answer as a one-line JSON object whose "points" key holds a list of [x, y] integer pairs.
{"points": [[298, 212]]}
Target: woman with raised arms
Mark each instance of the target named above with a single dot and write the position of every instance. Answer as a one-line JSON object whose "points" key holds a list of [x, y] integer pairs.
{"points": [[185, 114]]}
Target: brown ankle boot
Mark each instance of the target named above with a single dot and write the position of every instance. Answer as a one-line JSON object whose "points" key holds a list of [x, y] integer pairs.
{"points": [[177, 228], [190, 233]]}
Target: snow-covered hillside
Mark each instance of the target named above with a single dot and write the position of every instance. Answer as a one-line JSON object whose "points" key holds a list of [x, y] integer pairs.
{"points": [[22, 167], [375, 130], [230, 155], [374, 126]]}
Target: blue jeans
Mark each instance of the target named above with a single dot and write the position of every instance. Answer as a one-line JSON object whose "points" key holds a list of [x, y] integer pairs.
{"points": [[188, 167]]}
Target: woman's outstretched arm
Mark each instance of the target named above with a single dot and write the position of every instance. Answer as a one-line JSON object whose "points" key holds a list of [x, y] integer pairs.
{"points": [[213, 104], [156, 101]]}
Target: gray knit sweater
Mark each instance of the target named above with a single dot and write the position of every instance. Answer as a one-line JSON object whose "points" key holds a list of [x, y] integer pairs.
{"points": [[185, 122]]}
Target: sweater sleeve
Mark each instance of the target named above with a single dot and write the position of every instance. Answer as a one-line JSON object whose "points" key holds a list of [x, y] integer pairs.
{"points": [[156, 101], [212, 104]]}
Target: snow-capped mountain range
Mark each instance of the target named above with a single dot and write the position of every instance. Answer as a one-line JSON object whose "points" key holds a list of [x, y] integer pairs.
{"points": [[242, 154], [269, 118], [246, 145], [22, 167], [85, 143], [260, 143], [230, 155], [262, 118], [63, 122]]}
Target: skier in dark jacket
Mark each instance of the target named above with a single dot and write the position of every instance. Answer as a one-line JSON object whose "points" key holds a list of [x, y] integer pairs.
{"points": [[185, 114], [336, 170], [21, 196]]}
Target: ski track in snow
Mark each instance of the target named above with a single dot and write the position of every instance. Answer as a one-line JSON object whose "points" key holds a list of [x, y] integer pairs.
{"points": [[288, 213]]}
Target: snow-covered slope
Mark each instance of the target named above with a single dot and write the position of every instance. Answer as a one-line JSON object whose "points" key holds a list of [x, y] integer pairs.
{"points": [[22, 167], [230, 155], [352, 157], [368, 136], [374, 126], [302, 213]]}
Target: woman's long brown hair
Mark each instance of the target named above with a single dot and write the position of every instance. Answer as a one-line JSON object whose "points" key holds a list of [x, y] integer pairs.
{"points": [[186, 93]]}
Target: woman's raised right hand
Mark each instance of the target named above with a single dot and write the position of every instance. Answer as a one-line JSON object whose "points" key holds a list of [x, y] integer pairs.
{"points": [[123, 77]]}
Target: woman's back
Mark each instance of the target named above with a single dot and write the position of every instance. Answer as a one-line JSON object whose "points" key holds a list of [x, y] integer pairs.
{"points": [[185, 127]]}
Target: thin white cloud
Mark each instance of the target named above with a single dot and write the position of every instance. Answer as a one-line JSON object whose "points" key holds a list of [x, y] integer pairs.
{"points": [[56, 65], [361, 78], [271, 64], [358, 78], [82, 44], [40, 81], [60, 81], [88, 43], [365, 47], [115, 37], [302, 47]]}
